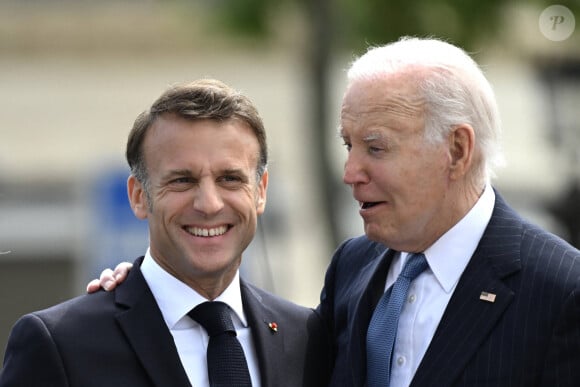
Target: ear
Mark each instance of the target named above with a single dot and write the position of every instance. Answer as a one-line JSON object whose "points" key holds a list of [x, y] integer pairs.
{"points": [[461, 149], [137, 198], [262, 188]]}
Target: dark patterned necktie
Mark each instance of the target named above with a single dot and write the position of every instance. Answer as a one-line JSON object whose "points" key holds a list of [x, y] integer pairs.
{"points": [[382, 330], [226, 363]]}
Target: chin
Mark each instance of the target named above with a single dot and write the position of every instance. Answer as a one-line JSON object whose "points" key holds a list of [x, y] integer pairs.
{"points": [[376, 234], [373, 235]]}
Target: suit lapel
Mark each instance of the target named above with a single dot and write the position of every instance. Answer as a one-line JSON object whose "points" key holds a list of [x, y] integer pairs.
{"points": [[468, 320], [373, 277], [269, 344], [147, 333]]}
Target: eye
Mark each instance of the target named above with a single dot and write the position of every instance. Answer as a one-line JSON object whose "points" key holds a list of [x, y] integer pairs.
{"points": [[182, 183], [374, 149], [181, 180], [347, 145], [231, 180]]}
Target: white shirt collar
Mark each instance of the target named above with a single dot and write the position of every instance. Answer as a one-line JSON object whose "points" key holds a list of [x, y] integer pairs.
{"points": [[449, 255], [176, 299]]}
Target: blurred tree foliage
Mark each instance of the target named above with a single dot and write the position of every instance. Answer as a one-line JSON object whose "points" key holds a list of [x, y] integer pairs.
{"points": [[359, 23], [379, 21], [247, 17]]}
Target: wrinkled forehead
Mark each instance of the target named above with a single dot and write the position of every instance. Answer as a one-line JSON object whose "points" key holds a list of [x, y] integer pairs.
{"points": [[399, 94], [384, 100]]}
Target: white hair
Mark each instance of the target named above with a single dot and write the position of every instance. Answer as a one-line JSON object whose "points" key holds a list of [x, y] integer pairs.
{"points": [[454, 88]]}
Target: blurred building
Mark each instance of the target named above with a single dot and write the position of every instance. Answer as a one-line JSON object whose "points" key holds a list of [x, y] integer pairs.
{"points": [[74, 75]]}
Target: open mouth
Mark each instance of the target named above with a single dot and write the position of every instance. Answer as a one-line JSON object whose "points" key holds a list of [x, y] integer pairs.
{"points": [[207, 232], [366, 205]]}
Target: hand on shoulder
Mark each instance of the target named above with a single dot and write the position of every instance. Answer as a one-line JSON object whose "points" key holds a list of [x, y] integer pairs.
{"points": [[109, 279]]}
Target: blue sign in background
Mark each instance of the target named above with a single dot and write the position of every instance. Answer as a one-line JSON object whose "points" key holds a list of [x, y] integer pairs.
{"points": [[115, 233]]}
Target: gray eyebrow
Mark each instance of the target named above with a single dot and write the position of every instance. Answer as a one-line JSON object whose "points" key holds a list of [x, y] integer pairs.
{"points": [[372, 137]]}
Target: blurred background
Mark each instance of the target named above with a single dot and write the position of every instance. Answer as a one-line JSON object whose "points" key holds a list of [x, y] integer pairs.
{"points": [[75, 74]]}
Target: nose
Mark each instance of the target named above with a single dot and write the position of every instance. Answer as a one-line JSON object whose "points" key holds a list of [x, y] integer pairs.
{"points": [[354, 172], [207, 198]]}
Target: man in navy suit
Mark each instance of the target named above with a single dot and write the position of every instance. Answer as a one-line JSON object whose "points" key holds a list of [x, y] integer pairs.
{"points": [[198, 162], [499, 303]]}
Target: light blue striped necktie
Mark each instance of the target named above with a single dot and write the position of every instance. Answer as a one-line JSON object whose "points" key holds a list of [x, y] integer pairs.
{"points": [[382, 330]]}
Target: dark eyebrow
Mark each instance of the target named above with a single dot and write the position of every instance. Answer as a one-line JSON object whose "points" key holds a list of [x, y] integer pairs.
{"points": [[237, 172], [233, 171]]}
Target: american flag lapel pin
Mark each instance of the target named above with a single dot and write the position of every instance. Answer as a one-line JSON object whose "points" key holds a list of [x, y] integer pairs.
{"points": [[485, 296]]}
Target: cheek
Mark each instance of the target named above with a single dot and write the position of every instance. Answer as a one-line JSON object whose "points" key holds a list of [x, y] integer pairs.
{"points": [[171, 205], [418, 186], [430, 167], [244, 202]]}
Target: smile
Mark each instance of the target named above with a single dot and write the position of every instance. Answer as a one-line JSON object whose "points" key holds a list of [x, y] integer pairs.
{"points": [[207, 232]]}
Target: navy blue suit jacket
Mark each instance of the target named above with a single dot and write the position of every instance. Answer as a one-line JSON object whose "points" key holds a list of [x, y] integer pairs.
{"points": [[530, 335], [120, 339]]}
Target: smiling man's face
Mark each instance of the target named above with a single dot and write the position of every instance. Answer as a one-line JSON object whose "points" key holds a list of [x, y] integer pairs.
{"points": [[205, 199]]}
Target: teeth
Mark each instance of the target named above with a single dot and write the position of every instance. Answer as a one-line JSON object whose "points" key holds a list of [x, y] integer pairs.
{"points": [[204, 232], [363, 205]]}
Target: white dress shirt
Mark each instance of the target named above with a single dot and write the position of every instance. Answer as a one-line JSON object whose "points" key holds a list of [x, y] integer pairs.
{"points": [[176, 299], [430, 293]]}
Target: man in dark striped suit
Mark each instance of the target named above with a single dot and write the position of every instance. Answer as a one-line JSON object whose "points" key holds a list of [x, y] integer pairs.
{"points": [[499, 301]]}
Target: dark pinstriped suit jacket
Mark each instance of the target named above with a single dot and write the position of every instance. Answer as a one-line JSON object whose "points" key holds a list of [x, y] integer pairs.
{"points": [[530, 335]]}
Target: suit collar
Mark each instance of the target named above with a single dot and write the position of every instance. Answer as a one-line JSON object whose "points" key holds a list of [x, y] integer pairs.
{"points": [[268, 340], [467, 319], [449, 255], [376, 270], [143, 324], [146, 331]]}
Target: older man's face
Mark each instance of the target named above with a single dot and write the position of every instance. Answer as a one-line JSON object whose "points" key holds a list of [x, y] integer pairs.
{"points": [[398, 178]]}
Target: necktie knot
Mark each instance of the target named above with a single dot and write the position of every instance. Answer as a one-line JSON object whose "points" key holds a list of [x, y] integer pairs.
{"points": [[415, 265], [214, 317]]}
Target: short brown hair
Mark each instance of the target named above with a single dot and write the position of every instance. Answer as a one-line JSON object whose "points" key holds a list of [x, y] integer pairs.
{"points": [[201, 99]]}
